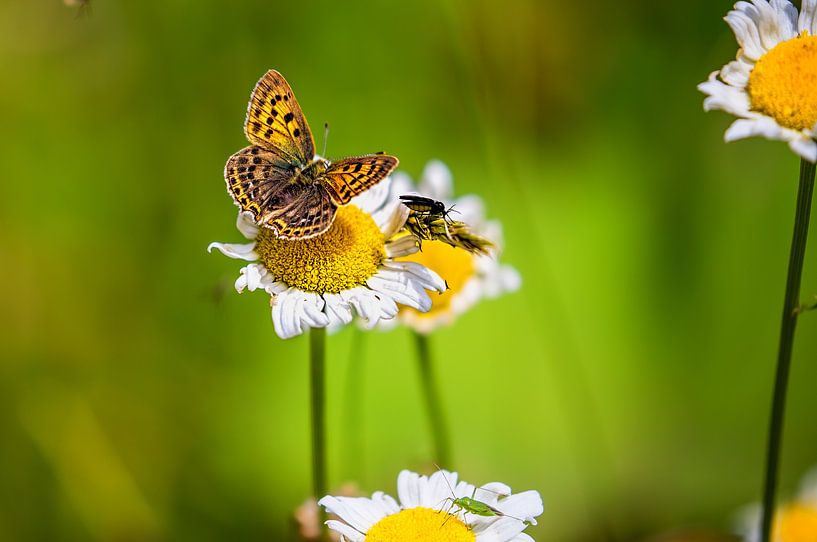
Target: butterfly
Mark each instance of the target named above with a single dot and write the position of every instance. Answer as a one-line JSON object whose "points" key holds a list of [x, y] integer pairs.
{"points": [[280, 180]]}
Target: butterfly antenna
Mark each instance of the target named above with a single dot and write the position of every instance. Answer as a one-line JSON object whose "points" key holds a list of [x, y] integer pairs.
{"points": [[325, 137]]}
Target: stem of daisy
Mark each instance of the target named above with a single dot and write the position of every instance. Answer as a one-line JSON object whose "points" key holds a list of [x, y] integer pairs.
{"points": [[353, 448], [317, 366], [439, 428], [791, 305]]}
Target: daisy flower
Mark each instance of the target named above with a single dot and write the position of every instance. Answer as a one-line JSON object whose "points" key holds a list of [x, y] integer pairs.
{"points": [[470, 276], [794, 521], [351, 268], [770, 86], [424, 512]]}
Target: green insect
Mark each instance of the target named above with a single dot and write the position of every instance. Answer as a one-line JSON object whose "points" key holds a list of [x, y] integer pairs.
{"points": [[470, 505]]}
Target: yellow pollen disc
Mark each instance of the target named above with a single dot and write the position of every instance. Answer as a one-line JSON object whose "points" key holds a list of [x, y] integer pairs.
{"points": [[795, 523], [454, 265], [420, 525], [782, 83], [343, 257]]}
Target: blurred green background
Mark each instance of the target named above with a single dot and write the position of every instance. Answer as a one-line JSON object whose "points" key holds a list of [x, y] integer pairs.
{"points": [[628, 380]]}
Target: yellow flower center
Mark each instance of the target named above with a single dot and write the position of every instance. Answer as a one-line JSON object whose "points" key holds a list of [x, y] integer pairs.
{"points": [[795, 523], [782, 83], [343, 257], [454, 265], [420, 525]]}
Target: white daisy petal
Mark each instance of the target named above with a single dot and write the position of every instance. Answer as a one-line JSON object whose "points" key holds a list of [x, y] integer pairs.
{"points": [[808, 17], [373, 199], [310, 310], [736, 73], [246, 225], [283, 312], [427, 278], [724, 97], [338, 310], [358, 512], [402, 246], [436, 181], [398, 215], [746, 32], [408, 489], [471, 210], [347, 532], [805, 148], [244, 252], [763, 126], [401, 291], [525, 506]]}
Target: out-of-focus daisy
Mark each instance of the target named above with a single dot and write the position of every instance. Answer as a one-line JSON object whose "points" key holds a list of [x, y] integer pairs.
{"points": [[351, 268], [422, 513], [794, 521], [770, 85], [470, 276]]}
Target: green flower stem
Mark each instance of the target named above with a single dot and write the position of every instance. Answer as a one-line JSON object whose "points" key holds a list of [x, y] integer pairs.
{"points": [[436, 418], [317, 374], [791, 306], [355, 390]]}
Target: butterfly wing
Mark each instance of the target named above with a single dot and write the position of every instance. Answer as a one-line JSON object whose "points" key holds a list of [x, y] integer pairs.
{"points": [[349, 177], [275, 121], [256, 179], [307, 211], [259, 180]]}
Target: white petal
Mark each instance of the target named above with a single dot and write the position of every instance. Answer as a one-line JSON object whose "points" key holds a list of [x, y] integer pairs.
{"points": [[436, 181], [782, 22], [408, 490], [805, 147], [427, 278], [365, 302], [246, 225], [746, 31], [526, 506], [250, 277], [392, 223], [347, 532], [736, 73], [244, 252], [310, 310], [522, 537], [400, 290], [338, 310], [471, 210], [722, 96], [374, 198], [401, 184], [808, 488], [501, 530], [762, 126], [359, 512], [439, 486], [510, 278], [285, 317], [401, 246], [808, 17]]}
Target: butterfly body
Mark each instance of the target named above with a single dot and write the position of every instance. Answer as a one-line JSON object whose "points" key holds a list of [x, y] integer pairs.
{"points": [[280, 180]]}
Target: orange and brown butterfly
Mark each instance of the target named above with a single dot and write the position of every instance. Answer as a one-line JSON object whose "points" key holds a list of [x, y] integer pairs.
{"points": [[280, 180]]}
